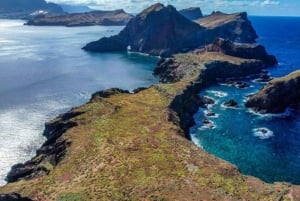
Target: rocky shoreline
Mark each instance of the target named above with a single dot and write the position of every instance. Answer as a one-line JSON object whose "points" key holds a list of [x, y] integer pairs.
{"points": [[132, 146]]}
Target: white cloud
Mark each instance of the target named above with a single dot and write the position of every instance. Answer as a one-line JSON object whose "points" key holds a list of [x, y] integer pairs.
{"points": [[269, 3], [207, 6]]}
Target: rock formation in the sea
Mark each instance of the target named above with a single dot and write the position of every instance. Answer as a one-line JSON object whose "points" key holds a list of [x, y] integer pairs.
{"points": [[231, 103], [193, 13], [17, 9], [106, 18], [277, 95], [163, 31]]}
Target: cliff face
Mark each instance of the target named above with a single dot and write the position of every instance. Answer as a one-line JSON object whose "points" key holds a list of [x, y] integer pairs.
{"points": [[277, 95], [163, 31], [193, 13], [23, 8], [241, 50], [158, 30], [106, 18], [235, 27]]}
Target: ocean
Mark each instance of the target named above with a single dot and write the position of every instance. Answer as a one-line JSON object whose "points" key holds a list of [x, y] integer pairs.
{"points": [[271, 156], [44, 72]]}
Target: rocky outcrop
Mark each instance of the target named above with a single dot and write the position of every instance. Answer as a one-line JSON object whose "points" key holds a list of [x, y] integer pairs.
{"points": [[105, 18], [50, 153], [17, 9], [235, 27], [193, 13], [158, 30], [241, 50], [13, 197], [209, 66], [231, 103], [163, 31], [277, 95]]}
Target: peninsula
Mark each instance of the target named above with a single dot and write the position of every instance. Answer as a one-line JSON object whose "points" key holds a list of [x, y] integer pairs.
{"points": [[132, 145], [105, 18]]}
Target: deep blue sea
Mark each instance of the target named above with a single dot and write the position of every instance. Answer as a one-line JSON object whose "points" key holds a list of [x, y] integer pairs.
{"points": [[275, 155], [44, 72]]}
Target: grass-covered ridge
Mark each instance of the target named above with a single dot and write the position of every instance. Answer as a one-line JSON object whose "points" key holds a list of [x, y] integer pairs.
{"points": [[125, 147]]}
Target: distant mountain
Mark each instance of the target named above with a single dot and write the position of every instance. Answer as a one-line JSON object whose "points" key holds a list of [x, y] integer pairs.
{"points": [[23, 8], [75, 8], [105, 18]]}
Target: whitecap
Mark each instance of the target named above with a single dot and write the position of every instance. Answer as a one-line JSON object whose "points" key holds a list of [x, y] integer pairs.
{"points": [[210, 125], [196, 140], [263, 133], [219, 94]]}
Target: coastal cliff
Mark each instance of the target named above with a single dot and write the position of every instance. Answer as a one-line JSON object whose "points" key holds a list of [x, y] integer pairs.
{"points": [[105, 18], [277, 95], [163, 31], [193, 13], [131, 146]]}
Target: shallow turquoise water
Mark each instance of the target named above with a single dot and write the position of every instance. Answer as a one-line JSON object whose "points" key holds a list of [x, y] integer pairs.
{"points": [[274, 156]]}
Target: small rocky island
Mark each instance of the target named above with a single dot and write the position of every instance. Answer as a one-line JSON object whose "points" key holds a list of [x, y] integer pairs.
{"points": [[132, 146], [277, 95], [105, 18]]}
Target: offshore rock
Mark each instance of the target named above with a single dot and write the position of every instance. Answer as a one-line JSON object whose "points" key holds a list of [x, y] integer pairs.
{"points": [[277, 95]]}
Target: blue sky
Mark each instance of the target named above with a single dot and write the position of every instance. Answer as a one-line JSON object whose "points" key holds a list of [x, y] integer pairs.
{"points": [[253, 7]]}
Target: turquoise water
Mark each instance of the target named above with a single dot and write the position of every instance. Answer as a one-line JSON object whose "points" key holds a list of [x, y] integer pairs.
{"points": [[272, 156], [44, 72]]}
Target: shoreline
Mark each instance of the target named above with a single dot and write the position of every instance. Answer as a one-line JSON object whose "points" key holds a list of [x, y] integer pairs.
{"points": [[174, 104]]}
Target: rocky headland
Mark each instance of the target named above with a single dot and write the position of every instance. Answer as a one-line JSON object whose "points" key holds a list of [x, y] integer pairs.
{"points": [[162, 31], [133, 146], [277, 95], [105, 18], [23, 9], [193, 13]]}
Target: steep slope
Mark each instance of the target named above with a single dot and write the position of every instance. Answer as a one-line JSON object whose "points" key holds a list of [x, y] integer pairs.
{"points": [[163, 31], [193, 13], [277, 95], [158, 30], [235, 27]]}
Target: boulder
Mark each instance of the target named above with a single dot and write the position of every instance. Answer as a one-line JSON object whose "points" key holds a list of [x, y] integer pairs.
{"points": [[231, 103]]}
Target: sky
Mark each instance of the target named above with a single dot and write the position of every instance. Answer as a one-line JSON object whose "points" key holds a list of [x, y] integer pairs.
{"points": [[253, 7]]}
